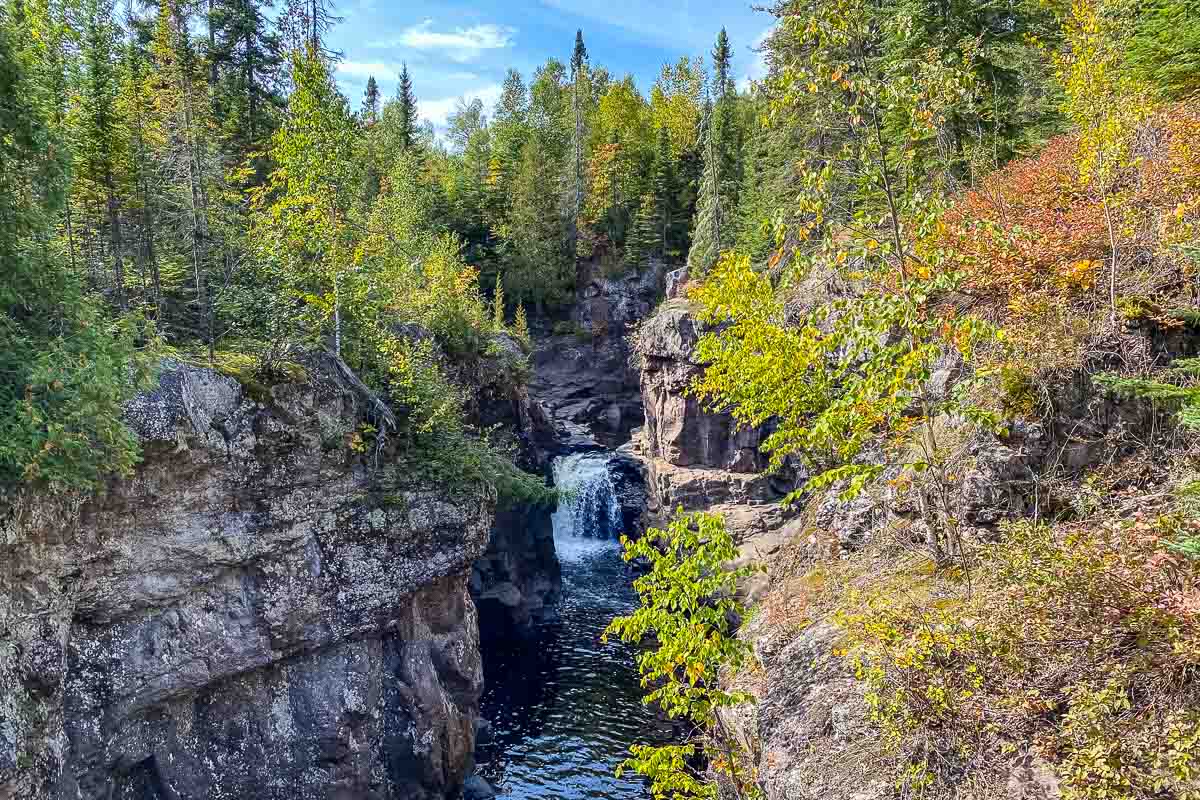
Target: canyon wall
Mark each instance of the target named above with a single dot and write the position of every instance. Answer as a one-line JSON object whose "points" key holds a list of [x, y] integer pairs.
{"points": [[250, 614]]}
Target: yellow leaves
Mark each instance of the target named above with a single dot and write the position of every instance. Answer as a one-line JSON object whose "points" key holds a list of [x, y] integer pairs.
{"points": [[1078, 275]]}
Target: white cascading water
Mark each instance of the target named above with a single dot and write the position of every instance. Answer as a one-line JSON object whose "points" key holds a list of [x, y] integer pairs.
{"points": [[588, 516], [565, 706]]}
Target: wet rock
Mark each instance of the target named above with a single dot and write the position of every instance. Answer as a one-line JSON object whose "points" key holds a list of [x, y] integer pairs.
{"points": [[476, 788], [517, 581]]}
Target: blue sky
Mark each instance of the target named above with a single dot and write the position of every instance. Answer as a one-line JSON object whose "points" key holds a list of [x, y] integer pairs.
{"points": [[462, 49]]}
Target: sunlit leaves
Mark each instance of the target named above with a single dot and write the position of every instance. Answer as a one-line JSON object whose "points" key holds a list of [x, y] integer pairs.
{"points": [[688, 609]]}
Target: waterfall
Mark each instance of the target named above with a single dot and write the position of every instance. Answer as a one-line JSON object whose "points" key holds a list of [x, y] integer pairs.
{"points": [[589, 509]]}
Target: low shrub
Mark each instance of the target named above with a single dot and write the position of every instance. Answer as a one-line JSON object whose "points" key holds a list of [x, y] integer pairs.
{"points": [[1083, 643]]}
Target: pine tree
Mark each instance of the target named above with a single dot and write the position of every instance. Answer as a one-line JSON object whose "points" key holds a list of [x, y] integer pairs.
{"points": [[707, 240], [722, 82], [370, 103], [406, 110]]}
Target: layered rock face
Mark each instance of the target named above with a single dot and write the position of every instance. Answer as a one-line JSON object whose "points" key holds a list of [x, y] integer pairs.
{"points": [[585, 377], [697, 459], [678, 430], [246, 616]]}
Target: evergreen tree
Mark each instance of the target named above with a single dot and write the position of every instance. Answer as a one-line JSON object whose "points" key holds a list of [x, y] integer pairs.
{"points": [[665, 190], [370, 103], [304, 219], [1165, 47], [521, 325], [707, 241], [246, 62], [535, 258], [66, 369], [646, 236], [722, 82], [578, 134], [100, 140], [498, 304], [406, 110], [579, 56]]}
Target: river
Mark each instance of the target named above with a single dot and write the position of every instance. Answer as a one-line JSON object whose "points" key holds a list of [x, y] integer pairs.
{"points": [[565, 707]]}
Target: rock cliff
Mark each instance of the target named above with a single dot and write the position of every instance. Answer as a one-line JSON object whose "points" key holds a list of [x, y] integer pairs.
{"points": [[582, 369], [247, 615], [694, 457], [810, 732]]}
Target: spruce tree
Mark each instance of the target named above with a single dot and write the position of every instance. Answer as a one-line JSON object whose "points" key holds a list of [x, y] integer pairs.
{"points": [[370, 103], [66, 367], [100, 148], [645, 239], [665, 190], [521, 325], [579, 55], [722, 82], [707, 240], [406, 109], [246, 62], [578, 133]]}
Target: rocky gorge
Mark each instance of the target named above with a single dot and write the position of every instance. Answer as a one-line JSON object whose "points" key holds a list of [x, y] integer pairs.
{"points": [[255, 612]]}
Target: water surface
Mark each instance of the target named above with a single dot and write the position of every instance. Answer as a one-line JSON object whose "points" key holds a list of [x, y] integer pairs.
{"points": [[564, 707]]}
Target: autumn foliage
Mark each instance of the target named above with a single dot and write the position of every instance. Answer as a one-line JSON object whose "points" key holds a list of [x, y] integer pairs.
{"points": [[1033, 245]]}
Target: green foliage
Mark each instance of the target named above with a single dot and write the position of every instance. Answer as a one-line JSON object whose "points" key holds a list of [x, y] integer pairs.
{"points": [[66, 367], [711, 210], [1181, 394], [1164, 48], [536, 264], [849, 372], [688, 610]]}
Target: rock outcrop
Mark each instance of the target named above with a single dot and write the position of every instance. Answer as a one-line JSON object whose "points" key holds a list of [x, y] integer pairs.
{"points": [[517, 581], [695, 458], [247, 615], [583, 371]]}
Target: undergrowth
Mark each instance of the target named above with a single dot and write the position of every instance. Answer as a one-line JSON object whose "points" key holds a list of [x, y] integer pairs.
{"points": [[1080, 642]]}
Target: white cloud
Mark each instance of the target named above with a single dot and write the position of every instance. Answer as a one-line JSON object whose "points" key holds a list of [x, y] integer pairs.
{"points": [[758, 67], [438, 111], [460, 45], [361, 69]]}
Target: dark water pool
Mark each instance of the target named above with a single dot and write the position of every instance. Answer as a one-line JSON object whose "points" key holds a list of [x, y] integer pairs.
{"points": [[565, 708]]}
